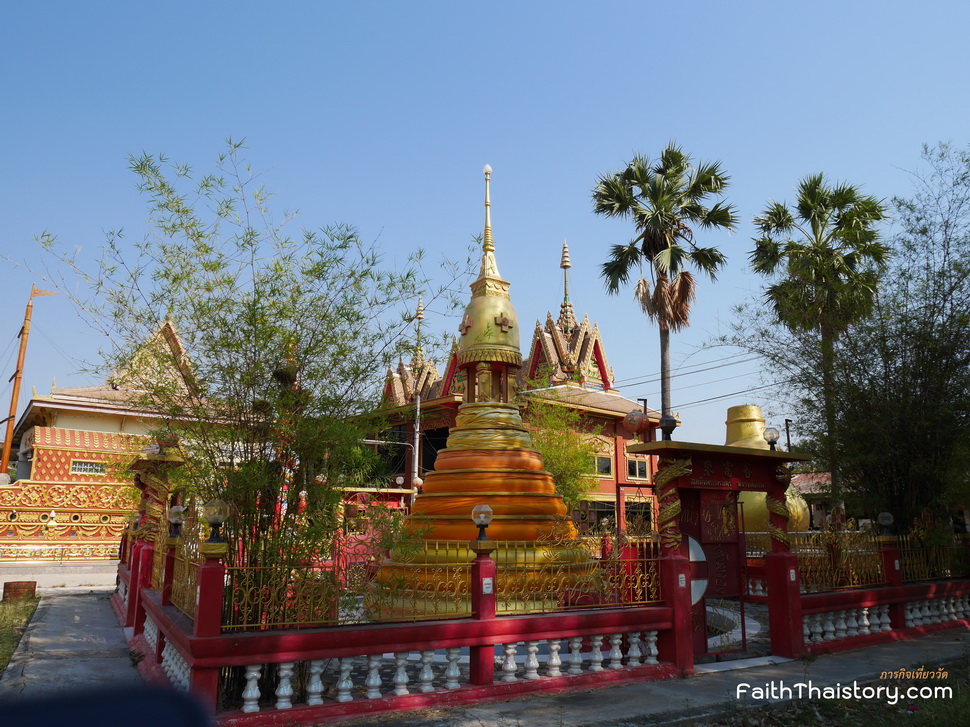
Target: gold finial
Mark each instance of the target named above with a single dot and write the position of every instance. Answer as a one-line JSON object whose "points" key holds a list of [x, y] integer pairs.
{"points": [[489, 246], [564, 262], [567, 319]]}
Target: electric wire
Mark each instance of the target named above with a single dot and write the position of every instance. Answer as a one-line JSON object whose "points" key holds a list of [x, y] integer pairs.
{"points": [[633, 380]]}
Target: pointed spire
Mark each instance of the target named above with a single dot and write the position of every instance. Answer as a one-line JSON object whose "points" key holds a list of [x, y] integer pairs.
{"points": [[489, 266], [567, 319], [418, 361], [489, 328]]}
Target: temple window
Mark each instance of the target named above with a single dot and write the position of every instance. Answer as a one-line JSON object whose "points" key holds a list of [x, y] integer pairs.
{"points": [[80, 467], [637, 469], [603, 466]]}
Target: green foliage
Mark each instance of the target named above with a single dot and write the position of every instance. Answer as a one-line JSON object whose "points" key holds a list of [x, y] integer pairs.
{"points": [[666, 200], [897, 381], [827, 257], [14, 616], [827, 253], [559, 435], [261, 348]]}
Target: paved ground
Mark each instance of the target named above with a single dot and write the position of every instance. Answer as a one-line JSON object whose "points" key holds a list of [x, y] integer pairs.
{"points": [[74, 642]]}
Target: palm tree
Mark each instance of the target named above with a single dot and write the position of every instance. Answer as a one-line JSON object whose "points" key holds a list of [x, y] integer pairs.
{"points": [[665, 200], [828, 254]]}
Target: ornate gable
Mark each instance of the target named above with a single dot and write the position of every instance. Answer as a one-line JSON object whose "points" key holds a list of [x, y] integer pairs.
{"points": [[571, 352]]}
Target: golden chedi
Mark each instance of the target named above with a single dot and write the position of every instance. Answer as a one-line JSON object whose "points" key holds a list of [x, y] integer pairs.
{"points": [[489, 460], [746, 428]]}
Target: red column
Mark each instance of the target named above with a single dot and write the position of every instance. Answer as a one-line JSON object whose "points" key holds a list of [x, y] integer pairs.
{"points": [[210, 585], [892, 567], [784, 604], [676, 645], [133, 570], [139, 582], [482, 658], [781, 577], [168, 574]]}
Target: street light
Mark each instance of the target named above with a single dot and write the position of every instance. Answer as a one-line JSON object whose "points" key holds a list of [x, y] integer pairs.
{"points": [[771, 437], [482, 516], [215, 512], [176, 516]]}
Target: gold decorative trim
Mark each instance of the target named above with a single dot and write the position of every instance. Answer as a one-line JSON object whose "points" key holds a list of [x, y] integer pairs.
{"points": [[667, 496]]}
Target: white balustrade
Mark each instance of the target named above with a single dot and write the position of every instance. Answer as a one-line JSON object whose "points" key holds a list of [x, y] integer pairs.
{"points": [[250, 694], [633, 653], [453, 672], [373, 681], [576, 655], [616, 653], [401, 674], [426, 675], [596, 653], [306, 679], [175, 667], [531, 660], [314, 688], [509, 667], [554, 662], [151, 634], [652, 651], [345, 683], [284, 690]]}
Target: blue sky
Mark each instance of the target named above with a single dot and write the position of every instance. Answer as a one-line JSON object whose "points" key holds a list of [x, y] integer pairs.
{"points": [[382, 115]]}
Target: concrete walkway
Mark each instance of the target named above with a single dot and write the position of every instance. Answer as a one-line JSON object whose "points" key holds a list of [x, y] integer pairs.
{"points": [[74, 642]]}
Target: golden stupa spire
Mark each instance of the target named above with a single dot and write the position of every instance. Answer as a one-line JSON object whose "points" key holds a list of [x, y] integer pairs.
{"points": [[489, 267], [489, 328], [567, 319]]}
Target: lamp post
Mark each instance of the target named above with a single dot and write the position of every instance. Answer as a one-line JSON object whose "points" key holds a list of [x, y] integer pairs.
{"points": [[482, 516], [176, 516], [481, 658], [667, 425], [215, 512], [771, 437]]}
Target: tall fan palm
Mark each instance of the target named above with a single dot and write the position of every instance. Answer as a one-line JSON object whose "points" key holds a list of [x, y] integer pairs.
{"points": [[666, 200], [828, 256]]}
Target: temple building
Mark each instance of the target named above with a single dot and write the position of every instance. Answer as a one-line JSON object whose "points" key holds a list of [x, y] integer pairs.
{"points": [[566, 364]]}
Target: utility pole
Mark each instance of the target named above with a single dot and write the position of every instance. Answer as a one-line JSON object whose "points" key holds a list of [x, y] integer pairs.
{"points": [[18, 376], [418, 365]]}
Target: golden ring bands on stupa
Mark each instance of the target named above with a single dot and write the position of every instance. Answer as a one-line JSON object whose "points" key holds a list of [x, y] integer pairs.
{"points": [[537, 554]]}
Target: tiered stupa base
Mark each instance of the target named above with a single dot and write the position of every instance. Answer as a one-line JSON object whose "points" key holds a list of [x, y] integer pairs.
{"points": [[489, 460]]}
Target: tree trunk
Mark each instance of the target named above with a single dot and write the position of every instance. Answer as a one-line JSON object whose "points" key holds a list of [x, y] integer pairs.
{"points": [[664, 370], [828, 400]]}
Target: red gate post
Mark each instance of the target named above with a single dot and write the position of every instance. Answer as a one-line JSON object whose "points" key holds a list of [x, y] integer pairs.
{"points": [[781, 574], [676, 645], [892, 568], [141, 580], [210, 587], [133, 570], [482, 658], [168, 574]]}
